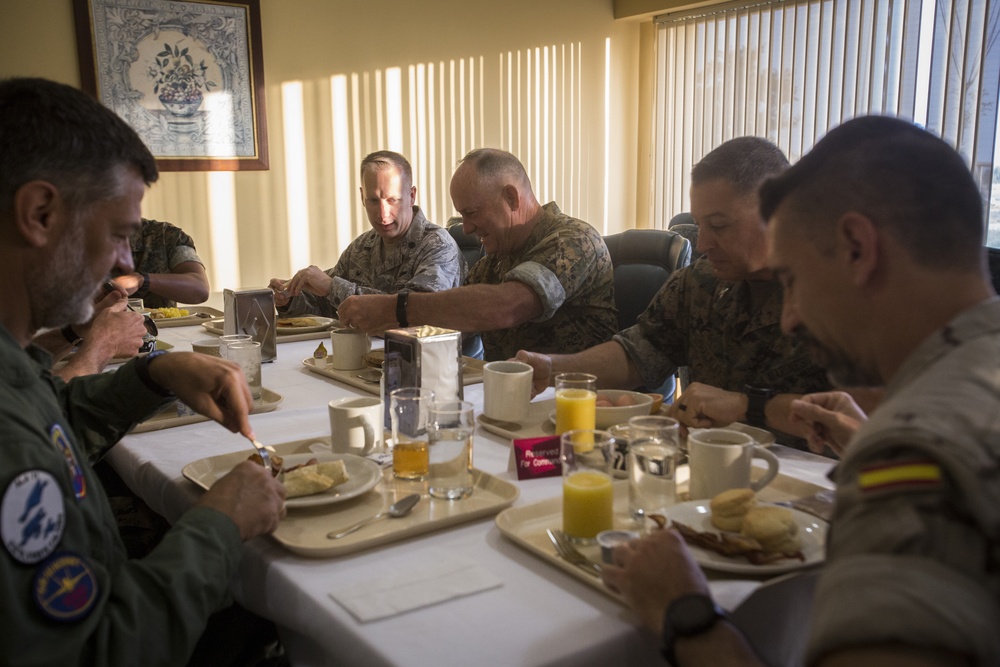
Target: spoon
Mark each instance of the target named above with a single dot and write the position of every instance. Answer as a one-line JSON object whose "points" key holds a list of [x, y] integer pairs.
{"points": [[398, 509]]}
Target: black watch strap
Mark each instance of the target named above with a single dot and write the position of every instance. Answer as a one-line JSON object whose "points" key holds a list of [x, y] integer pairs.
{"points": [[757, 398], [71, 336], [144, 287], [688, 616], [401, 299]]}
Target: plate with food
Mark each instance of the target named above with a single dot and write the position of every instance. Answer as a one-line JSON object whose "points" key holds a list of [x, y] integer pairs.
{"points": [[307, 324], [182, 317], [311, 478], [788, 539]]}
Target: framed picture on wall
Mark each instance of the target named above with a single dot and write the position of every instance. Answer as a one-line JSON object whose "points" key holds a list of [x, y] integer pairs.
{"points": [[187, 75]]}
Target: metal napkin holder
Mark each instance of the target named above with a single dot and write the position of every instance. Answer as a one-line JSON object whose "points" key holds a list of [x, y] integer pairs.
{"points": [[252, 312], [430, 357]]}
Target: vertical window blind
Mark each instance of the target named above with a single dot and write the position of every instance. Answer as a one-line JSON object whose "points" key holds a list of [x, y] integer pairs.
{"points": [[790, 71]]}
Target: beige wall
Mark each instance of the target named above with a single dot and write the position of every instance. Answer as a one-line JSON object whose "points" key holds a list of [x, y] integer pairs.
{"points": [[310, 41]]}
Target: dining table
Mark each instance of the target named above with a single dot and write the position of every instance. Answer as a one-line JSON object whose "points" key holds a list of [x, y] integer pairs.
{"points": [[532, 614]]}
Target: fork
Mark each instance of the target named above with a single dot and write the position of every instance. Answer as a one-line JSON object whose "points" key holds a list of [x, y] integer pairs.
{"points": [[571, 554], [265, 456]]}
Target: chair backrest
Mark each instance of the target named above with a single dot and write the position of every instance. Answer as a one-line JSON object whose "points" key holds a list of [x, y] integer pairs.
{"points": [[775, 618], [683, 224], [643, 259], [467, 243], [993, 255]]}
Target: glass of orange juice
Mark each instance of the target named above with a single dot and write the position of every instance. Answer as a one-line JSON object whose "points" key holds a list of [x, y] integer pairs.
{"points": [[408, 414], [587, 457], [576, 401]]}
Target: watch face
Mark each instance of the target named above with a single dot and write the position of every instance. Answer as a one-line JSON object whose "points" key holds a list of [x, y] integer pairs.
{"points": [[692, 614]]}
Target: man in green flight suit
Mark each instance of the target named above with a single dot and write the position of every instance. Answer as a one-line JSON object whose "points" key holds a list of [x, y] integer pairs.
{"points": [[72, 176]]}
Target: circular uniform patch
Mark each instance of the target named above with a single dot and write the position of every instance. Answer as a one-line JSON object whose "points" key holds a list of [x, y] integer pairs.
{"points": [[65, 588], [32, 516]]}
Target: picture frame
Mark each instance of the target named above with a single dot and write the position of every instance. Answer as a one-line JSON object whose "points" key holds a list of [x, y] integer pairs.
{"points": [[187, 75]]}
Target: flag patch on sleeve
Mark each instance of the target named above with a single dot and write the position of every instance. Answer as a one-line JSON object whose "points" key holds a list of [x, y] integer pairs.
{"points": [[901, 475]]}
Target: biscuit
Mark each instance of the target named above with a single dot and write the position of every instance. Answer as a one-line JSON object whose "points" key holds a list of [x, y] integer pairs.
{"points": [[773, 527], [729, 507]]}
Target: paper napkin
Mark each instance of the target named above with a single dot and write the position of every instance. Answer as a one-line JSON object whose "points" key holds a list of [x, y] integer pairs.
{"points": [[418, 587]]}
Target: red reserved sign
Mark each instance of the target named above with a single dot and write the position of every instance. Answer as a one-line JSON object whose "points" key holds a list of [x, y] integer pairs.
{"points": [[537, 457]]}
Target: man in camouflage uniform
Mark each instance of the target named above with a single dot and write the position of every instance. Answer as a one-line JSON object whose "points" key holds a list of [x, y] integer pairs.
{"points": [[402, 250], [546, 280], [877, 238], [719, 317], [167, 268]]}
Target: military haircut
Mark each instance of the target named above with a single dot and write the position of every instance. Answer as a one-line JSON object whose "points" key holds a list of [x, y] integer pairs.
{"points": [[903, 178], [56, 133], [493, 164], [380, 160], [743, 162]]}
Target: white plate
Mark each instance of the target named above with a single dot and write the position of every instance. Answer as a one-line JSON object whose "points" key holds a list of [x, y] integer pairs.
{"points": [[362, 474], [322, 323], [812, 532]]}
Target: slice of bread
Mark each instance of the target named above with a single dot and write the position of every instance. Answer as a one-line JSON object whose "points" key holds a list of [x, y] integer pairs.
{"points": [[313, 479]]}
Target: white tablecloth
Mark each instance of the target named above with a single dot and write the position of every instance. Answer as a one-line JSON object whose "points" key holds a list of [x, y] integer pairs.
{"points": [[538, 616]]}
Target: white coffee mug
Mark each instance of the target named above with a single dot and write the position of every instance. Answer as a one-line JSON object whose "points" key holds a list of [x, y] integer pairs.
{"points": [[506, 390], [720, 460], [356, 425], [349, 349]]}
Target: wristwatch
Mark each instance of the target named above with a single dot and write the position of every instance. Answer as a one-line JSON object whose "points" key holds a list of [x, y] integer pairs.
{"points": [[757, 398], [144, 287], [401, 299], [687, 616]]}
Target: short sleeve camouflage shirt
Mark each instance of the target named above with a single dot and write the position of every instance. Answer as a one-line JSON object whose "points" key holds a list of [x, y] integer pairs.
{"points": [[712, 327], [427, 259], [157, 247], [567, 264]]}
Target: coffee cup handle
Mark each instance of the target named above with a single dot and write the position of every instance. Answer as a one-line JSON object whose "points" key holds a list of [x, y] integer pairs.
{"points": [[369, 438], [772, 467]]}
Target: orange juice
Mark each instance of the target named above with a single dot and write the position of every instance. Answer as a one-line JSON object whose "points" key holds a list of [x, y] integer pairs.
{"points": [[410, 460], [587, 504], [575, 409]]}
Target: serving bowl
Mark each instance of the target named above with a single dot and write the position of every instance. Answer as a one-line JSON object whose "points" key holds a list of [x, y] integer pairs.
{"points": [[607, 416]]}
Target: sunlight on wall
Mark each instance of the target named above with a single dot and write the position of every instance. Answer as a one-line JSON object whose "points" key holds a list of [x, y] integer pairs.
{"points": [[297, 196], [343, 167], [225, 262], [529, 102]]}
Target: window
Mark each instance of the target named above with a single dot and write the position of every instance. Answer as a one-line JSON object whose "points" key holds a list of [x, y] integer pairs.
{"points": [[789, 71]]}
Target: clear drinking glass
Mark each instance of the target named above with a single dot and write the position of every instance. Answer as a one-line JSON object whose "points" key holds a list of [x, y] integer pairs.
{"points": [[588, 497], [652, 463], [224, 342], [576, 401], [449, 430], [247, 355], [408, 415]]}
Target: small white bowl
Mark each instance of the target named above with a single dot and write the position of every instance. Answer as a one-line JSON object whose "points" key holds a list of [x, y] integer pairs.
{"points": [[609, 416]]}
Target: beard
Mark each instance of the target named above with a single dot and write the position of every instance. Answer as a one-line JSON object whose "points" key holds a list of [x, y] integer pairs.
{"points": [[62, 288], [841, 369]]}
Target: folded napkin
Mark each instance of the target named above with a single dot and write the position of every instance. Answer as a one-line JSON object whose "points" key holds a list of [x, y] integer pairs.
{"points": [[418, 587]]}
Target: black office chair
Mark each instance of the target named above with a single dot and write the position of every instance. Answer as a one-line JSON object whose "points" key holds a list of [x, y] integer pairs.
{"points": [[643, 259], [993, 255], [683, 224], [472, 249], [467, 243]]}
